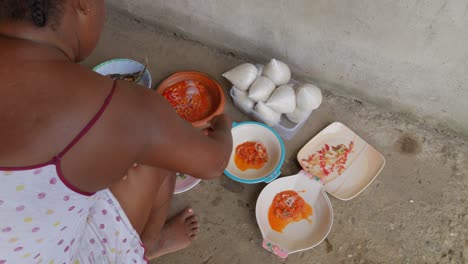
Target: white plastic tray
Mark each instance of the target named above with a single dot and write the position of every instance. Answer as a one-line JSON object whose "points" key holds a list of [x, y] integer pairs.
{"points": [[286, 129]]}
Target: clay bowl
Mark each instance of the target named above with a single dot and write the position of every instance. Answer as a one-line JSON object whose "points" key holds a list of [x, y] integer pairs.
{"points": [[214, 88]]}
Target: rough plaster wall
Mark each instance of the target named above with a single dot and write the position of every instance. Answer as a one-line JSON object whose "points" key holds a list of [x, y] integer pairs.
{"points": [[410, 56]]}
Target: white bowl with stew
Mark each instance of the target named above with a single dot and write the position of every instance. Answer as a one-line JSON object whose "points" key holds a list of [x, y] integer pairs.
{"points": [[257, 132]]}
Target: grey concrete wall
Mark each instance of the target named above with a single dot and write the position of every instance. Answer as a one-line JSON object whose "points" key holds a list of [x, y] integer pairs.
{"points": [[410, 56]]}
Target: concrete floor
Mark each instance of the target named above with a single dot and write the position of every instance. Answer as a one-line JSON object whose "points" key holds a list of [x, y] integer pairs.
{"points": [[414, 212]]}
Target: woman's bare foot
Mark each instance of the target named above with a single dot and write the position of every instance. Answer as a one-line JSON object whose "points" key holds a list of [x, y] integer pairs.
{"points": [[178, 233]]}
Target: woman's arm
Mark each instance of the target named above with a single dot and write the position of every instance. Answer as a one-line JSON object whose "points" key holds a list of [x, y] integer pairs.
{"points": [[171, 143]]}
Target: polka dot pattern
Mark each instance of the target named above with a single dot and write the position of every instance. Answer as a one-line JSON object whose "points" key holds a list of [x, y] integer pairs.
{"points": [[17, 249], [61, 223], [118, 244]]}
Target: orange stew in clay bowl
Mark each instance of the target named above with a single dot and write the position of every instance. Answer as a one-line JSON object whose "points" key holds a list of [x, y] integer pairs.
{"points": [[194, 96]]}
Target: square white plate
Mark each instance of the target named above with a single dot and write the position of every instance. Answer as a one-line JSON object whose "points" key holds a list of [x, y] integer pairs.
{"points": [[362, 167]]}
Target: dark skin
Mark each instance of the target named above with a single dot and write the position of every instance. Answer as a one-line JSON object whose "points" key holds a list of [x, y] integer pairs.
{"points": [[46, 99]]}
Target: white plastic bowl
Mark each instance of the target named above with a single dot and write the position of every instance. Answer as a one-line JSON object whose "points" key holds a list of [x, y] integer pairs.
{"points": [[301, 235], [258, 132], [185, 184], [123, 66]]}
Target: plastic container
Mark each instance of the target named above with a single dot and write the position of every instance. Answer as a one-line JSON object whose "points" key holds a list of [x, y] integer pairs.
{"points": [[123, 66], [363, 165], [258, 132], [286, 129], [213, 86]]}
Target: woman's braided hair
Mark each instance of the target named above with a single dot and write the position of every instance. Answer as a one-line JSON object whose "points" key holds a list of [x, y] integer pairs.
{"points": [[38, 12]]}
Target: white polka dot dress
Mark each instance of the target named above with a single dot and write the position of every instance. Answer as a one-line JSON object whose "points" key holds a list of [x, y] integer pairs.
{"points": [[44, 219]]}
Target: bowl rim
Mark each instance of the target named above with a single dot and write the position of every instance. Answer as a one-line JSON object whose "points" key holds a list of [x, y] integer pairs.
{"points": [[222, 98], [188, 187], [276, 172], [102, 64]]}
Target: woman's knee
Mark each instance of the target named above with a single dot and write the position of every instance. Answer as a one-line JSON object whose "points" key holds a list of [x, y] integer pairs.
{"points": [[154, 177], [168, 181]]}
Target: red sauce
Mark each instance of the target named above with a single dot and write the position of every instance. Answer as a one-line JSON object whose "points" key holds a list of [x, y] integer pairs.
{"points": [[190, 99], [288, 207], [250, 155]]}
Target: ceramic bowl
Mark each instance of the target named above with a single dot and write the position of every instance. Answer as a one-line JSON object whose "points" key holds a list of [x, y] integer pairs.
{"points": [[259, 132], [122, 66]]}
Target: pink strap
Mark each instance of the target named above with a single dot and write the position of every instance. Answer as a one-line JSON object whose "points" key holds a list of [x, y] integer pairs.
{"points": [[90, 124]]}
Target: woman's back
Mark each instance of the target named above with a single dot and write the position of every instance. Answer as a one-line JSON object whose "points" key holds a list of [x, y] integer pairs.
{"points": [[45, 104], [42, 114], [67, 132]]}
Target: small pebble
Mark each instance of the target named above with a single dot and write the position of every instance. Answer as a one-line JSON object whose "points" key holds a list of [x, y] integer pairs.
{"points": [[411, 201], [350, 255]]}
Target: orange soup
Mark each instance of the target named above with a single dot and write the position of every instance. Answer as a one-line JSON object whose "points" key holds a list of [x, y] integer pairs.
{"points": [[288, 207], [190, 99], [250, 155]]}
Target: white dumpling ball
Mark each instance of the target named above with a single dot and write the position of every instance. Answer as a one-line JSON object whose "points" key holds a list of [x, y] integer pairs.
{"points": [[309, 97], [277, 71], [261, 89], [283, 99], [259, 69], [298, 115], [267, 115], [242, 101], [242, 76], [237, 92]]}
